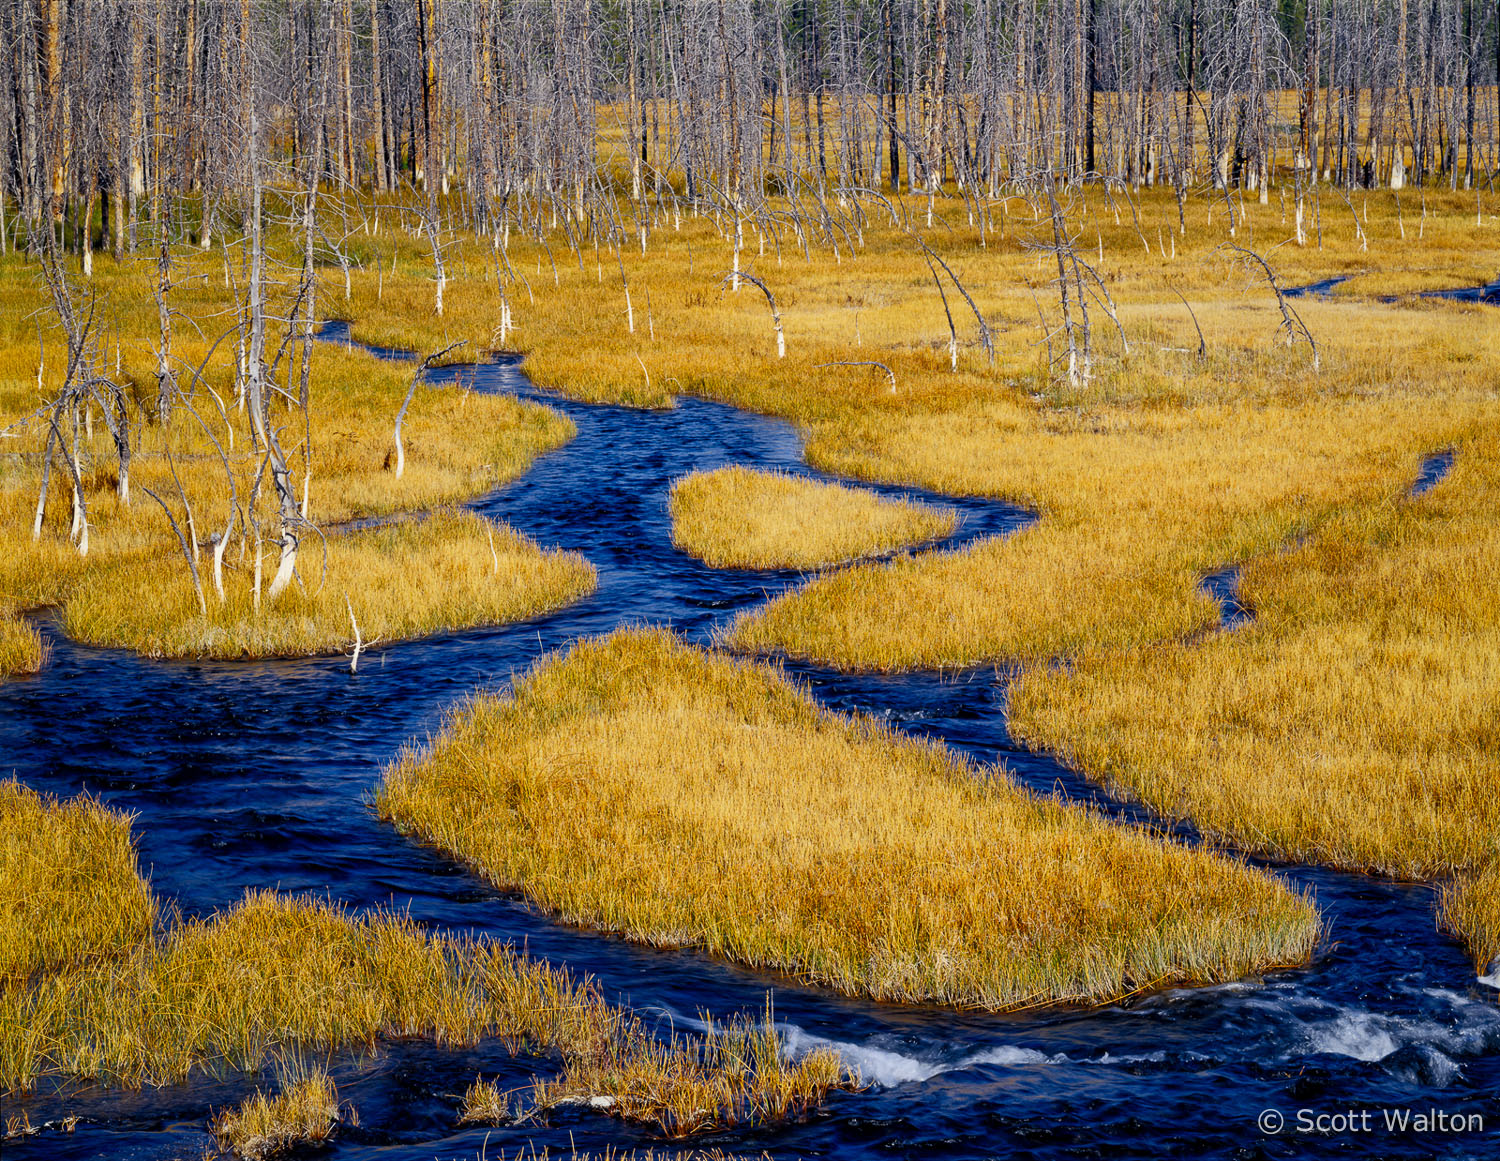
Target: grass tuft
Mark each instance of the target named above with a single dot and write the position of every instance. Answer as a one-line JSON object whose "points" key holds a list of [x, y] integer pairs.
{"points": [[640, 786], [22, 649], [1469, 908], [739, 518], [305, 1112]]}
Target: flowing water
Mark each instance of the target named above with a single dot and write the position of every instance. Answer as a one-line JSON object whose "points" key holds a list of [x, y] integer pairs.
{"points": [[256, 774]]}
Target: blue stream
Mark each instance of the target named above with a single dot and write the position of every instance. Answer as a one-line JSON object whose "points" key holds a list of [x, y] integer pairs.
{"points": [[256, 774]]}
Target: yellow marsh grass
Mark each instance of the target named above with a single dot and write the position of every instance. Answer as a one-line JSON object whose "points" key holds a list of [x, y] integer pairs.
{"points": [[736, 1074], [452, 571], [69, 890], [277, 972], [1162, 468], [88, 990], [1133, 511], [22, 649], [1355, 723], [683, 799], [736, 517], [306, 1112], [458, 443], [1469, 907]]}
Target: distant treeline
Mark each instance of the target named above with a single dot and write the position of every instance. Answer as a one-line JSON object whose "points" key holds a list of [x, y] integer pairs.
{"points": [[108, 104]]}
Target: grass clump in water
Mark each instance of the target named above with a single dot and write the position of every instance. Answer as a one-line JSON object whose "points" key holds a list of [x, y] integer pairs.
{"points": [[684, 799], [91, 992], [1469, 907], [410, 579], [736, 517], [737, 1073], [69, 890], [22, 649], [306, 1112]]}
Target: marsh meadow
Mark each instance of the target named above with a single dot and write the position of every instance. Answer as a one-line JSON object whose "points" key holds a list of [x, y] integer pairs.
{"points": [[705, 580]]}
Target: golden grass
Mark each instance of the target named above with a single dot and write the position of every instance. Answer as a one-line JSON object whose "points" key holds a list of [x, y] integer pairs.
{"points": [[1354, 723], [277, 972], [736, 517], [736, 1074], [458, 444], [454, 570], [639, 786], [1161, 468], [1133, 513], [70, 893], [1469, 908], [90, 991], [305, 1112], [22, 649]]}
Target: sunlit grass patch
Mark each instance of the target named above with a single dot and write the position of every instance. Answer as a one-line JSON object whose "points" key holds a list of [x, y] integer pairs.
{"points": [[408, 579], [1355, 723], [89, 990], [22, 649], [684, 799], [278, 972], [737, 517], [305, 1112], [738, 1073], [1133, 511], [70, 893]]}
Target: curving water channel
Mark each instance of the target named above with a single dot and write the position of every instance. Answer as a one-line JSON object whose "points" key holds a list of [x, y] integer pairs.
{"points": [[255, 774]]}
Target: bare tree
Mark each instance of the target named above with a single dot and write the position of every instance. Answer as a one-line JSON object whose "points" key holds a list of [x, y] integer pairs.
{"points": [[1291, 328]]}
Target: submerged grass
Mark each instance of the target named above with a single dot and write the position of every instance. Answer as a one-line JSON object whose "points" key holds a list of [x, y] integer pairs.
{"points": [[454, 570], [305, 1112], [737, 1073], [736, 517], [684, 799]]}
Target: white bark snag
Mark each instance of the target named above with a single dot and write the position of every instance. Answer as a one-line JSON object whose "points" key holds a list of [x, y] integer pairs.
{"points": [[358, 641], [219, 546], [288, 512], [771, 301]]}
